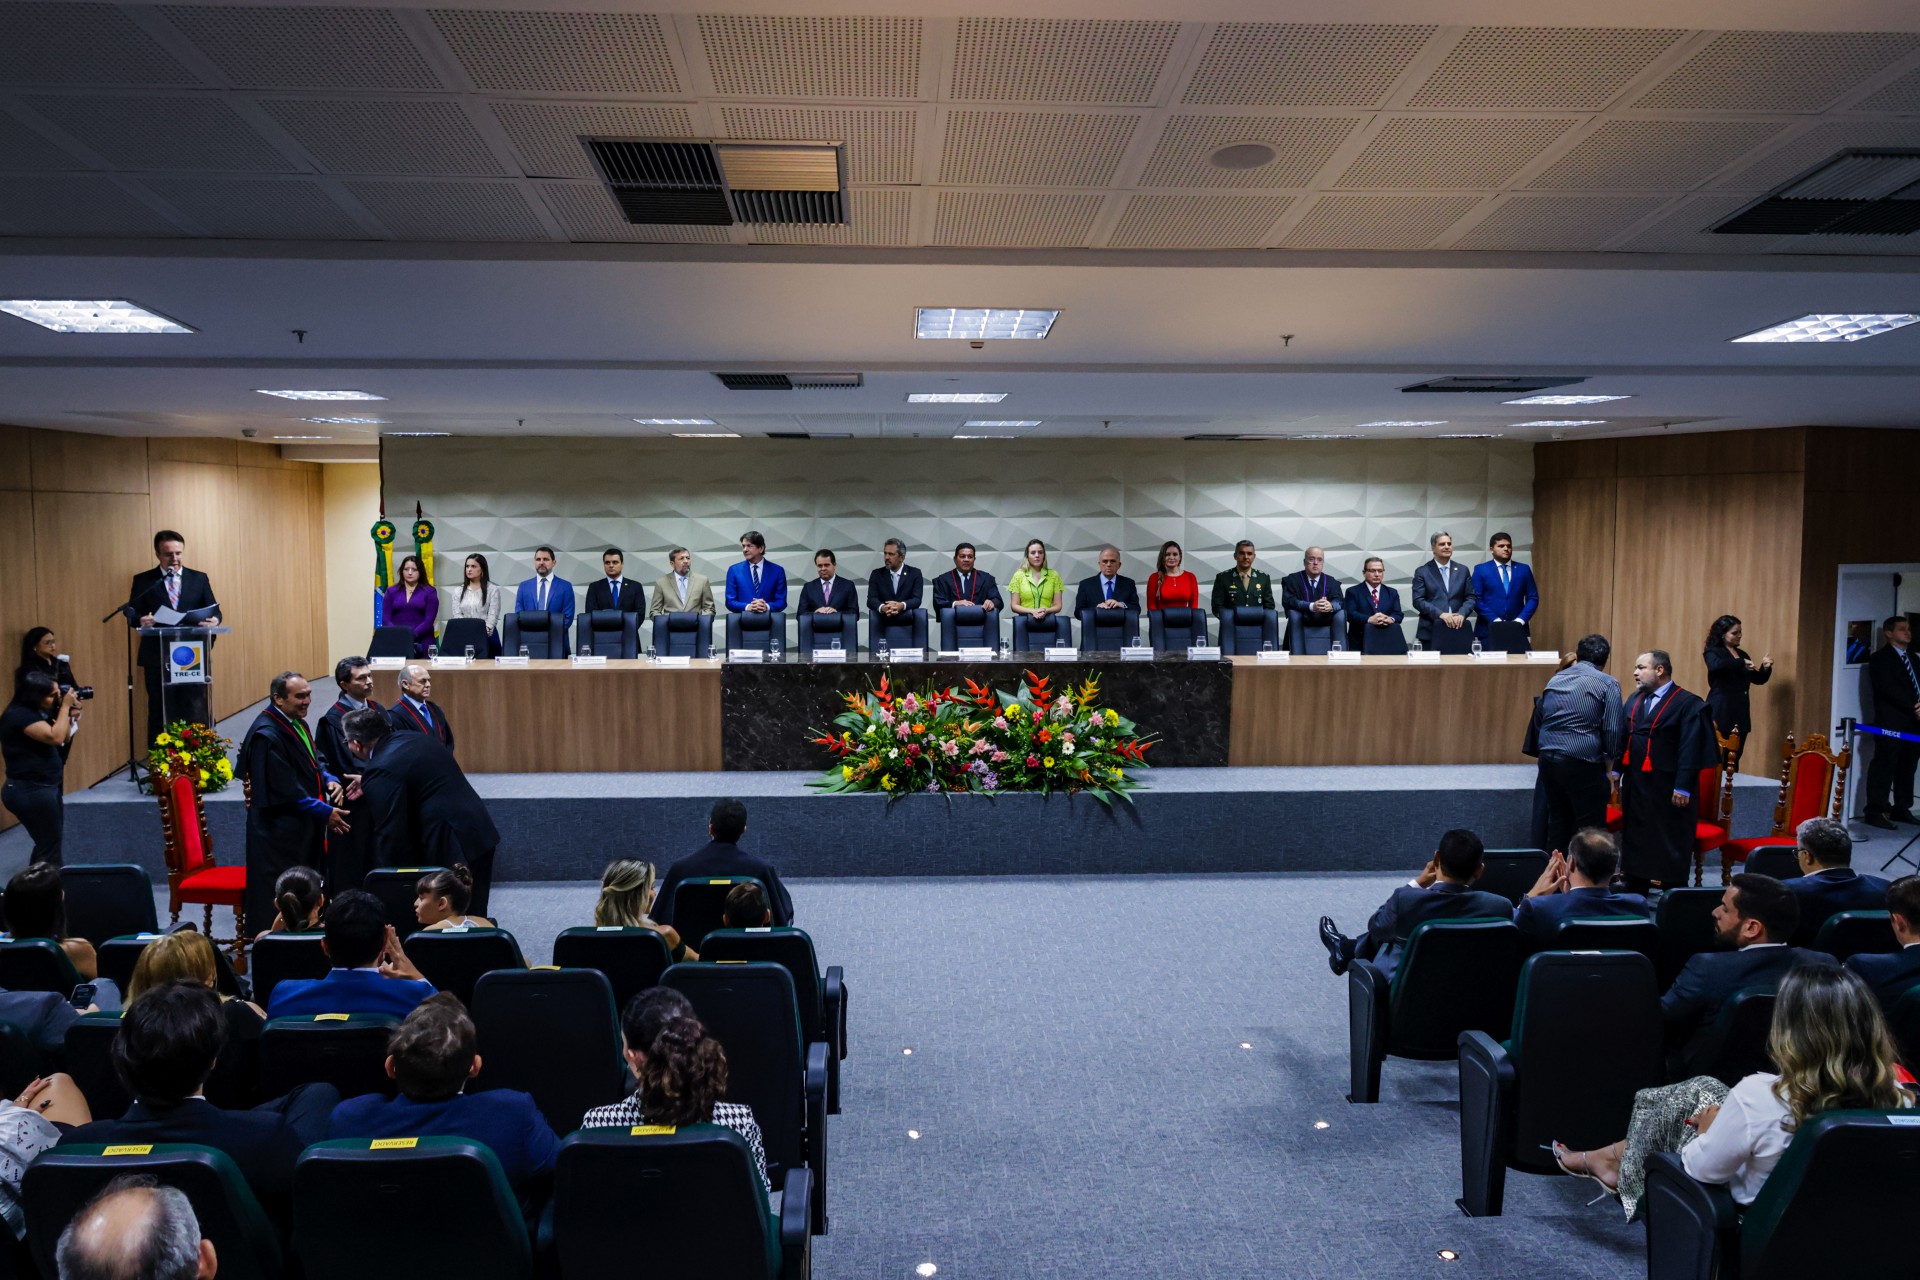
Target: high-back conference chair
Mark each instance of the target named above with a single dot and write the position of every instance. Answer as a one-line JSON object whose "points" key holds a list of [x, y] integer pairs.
{"points": [[968, 626], [756, 630], [905, 630], [1109, 630], [1176, 629], [1246, 628], [608, 633], [461, 634], [543, 635], [819, 631], [391, 642], [683, 635]]}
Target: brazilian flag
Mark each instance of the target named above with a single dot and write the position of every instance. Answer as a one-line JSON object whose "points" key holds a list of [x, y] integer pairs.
{"points": [[383, 536]]}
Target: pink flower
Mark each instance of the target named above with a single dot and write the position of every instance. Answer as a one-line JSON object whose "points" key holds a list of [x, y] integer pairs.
{"points": [[884, 716], [912, 704], [1000, 722], [999, 757], [979, 747], [901, 732], [1033, 762], [950, 748]]}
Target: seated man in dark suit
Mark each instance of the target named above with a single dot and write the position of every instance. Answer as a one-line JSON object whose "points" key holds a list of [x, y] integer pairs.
{"points": [[1311, 598], [370, 974], [135, 1227], [411, 712], [616, 590], [1371, 603], [164, 1052], [828, 594], [964, 584], [722, 856], [1442, 891], [1892, 976], [1756, 916], [895, 587], [43, 1015], [1827, 883], [1107, 589], [1577, 885]]}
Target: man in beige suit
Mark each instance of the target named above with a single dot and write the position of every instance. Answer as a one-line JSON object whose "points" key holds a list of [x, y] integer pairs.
{"points": [[681, 591]]}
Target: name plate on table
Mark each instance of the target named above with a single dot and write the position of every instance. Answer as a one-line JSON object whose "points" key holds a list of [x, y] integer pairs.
{"points": [[1423, 655], [596, 660], [677, 660], [977, 653], [908, 655], [386, 664], [514, 661], [1544, 655], [1273, 655], [1490, 655], [830, 655], [1204, 653], [1062, 654], [737, 656], [1136, 653], [444, 661], [1344, 655]]}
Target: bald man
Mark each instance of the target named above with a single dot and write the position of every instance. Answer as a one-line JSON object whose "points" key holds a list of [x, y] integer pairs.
{"points": [[136, 1229], [1107, 589], [412, 712], [1311, 600]]}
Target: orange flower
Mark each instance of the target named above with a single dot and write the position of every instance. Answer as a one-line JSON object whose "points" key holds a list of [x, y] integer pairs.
{"points": [[1045, 735], [919, 728]]}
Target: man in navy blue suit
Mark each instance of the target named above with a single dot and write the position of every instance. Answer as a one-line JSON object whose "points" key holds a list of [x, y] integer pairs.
{"points": [[756, 584], [1503, 588], [1442, 891], [1371, 603], [1107, 589], [895, 586], [547, 592], [1892, 976], [1828, 884], [723, 856], [370, 974], [1311, 598], [1577, 885], [828, 594]]}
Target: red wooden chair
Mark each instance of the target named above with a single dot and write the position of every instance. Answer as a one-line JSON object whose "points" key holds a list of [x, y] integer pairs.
{"points": [[1713, 803], [193, 877], [1813, 781]]}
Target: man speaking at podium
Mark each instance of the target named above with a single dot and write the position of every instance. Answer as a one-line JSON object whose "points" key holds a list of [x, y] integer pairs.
{"points": [[170, 585]]}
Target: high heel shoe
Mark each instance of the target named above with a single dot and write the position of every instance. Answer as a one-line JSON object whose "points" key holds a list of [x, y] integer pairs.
{"points": [[1560, 1152]]}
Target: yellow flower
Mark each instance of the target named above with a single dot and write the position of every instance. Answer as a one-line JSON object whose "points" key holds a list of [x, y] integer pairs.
{"points": [[846, 772], [203, 775], [1047, 761], [224, 768], [164, 740], [1113, 717], [887, 782]]}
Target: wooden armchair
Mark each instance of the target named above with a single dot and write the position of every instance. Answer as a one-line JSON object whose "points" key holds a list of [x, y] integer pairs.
{"points": [[1713, 803], [1813, 782], [193, 877]]}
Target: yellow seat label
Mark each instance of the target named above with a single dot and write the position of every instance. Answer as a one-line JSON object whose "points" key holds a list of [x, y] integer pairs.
{"points": [[644, 1130], [329, 1017], [128, 1151], [393, 1144]]}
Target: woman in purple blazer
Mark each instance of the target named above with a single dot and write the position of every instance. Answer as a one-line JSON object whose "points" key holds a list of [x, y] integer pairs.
{"points": [[410, 602]]}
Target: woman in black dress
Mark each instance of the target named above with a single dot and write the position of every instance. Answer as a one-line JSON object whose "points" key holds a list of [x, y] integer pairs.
{"points": [[1730, 673]]}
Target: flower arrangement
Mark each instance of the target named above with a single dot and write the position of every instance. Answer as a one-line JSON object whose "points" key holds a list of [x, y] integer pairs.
{"points": [[985, 740], [190, 751]]}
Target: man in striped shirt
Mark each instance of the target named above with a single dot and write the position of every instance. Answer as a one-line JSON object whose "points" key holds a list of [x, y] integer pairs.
{"points": [[1582, 728]]}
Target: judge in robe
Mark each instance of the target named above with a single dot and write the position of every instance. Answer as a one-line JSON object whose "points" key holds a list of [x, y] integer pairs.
{"points": [[413, 713], [964, 584], [423, 809], [1311, 598], [1669, 740], [292, 800], [349, 856]]}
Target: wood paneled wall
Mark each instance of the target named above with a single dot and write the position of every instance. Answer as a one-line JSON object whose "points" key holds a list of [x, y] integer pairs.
{"points": [[77, 516]]}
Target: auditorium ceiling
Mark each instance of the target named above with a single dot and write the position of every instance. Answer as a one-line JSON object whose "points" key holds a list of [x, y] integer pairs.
{"points": [[1349, 155]]}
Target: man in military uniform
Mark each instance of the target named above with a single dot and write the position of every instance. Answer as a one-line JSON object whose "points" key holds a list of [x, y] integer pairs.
{"points": [[1243, 584]]}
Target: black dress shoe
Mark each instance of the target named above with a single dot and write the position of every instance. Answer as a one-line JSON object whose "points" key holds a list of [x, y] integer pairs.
{"points": [[1336, 945], [1879, 820], [1906, 816]]}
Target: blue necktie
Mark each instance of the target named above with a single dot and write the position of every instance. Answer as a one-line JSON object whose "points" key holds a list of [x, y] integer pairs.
{"points": [[1109, 587]]}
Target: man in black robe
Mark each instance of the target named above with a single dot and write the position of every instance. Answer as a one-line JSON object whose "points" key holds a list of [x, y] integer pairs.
{"points": [[349, 856], [292, 798], [1669, 741], [423, 809]]}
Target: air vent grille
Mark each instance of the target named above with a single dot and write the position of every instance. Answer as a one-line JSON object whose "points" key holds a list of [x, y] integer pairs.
{"points": [[788, 206], [682, 164], [1856, 193], [789, 381], [705, 183], [825, 381], [1488, 385]]}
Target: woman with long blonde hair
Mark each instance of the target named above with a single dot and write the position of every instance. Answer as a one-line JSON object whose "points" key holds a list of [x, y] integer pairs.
{"points": [[189, 954], [627, 890]]}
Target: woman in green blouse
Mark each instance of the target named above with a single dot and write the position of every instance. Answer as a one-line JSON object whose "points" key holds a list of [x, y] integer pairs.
{"points": [[1034, 589]]}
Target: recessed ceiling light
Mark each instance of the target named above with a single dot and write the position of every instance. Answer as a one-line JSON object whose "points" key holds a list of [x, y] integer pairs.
{"points": [[1565, 399], [1448, 1255], [956, 397], [415, 434], [925, 1269], [347, 422], [1830, 328], [303, 437], [1246, 1044], [1000, 422], [320, 395], [1318, 435], [97, 315], [964, 436], [675, 422], [1564, 422], [914, 1134], [978, 323], [1468, 435], [706, 435], [1421, 423], [908, 1052]]}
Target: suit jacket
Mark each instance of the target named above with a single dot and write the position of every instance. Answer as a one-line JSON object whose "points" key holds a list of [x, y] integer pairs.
{"points": [[43, 1015], [1359, 607], [1677, 735], [845, 597], [424, 811], [1708, 980], [717, 858], [149, 592], [287, 809], [1890, 976], [506, 1121], [741, 591], [1513, 603], [1295, 594], [1431, 598], [666, 595], [347, 991], [1540, 918], [1894, 694], [632, 599], [880, 587], [404, 719], [1092, 594], [980, 588], [1411, 907], [1825, 894], [1229, 594], [559, 597]]}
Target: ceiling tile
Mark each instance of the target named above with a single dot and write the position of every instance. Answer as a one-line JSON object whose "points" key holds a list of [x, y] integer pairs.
{"points": [[588, 214], [1011, 220], [1541, 68], [1902, 95], [1432, 153], [560, 52], [777, 57], [1378, 222], [1068, 60], [546, 135], [154, 132], [1778, 70], [406, 135], [1684, 230], [1818, 144], [1034, 148], [83, 44], [873, 217], [1302, 145], [83, 205], [882, 142], [22, 148], [1197, 222], [1285, 64], [259, 208], [1558, 222], [1655, 155], [305, 47], [450, 210]]}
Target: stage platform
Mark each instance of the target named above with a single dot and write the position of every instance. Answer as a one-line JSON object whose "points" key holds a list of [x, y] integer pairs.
{"points": [[567, 826]]}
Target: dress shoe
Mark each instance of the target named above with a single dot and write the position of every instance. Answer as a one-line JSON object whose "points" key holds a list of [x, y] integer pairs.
{"points": [[1879, 820], [1904, 815], [1336, 945]]}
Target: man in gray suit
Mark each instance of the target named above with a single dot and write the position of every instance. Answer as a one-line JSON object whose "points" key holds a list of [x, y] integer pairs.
{"points": [[1442, 590], [681, 591]]}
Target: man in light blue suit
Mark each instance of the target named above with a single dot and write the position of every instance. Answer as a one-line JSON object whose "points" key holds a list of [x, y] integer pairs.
{"points": [[1503, 589], [756, 584], [547, 592]]}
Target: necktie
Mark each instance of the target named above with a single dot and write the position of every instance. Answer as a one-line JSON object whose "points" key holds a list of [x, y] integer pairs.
{"points": [[1109, 587], [965, 578], [542, 605], [756, 577], [1908, 664], [683, 589], [613, 592], [173, 589], [1376, 599]]}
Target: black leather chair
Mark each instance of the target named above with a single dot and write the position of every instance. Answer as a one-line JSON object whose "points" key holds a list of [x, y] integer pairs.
{"points": [[906, 630], [608, 633], [1456, 976], [552, 1033], [1386, 641], [699, 905], [1177, 629], [108, 900], [632, 958], [1108, 630], [543, 635], [1055, 632], [116, 957], [822, 997], [751, 1010], [1507, 637], [683, 635], [1856, 933], [1308, 635], [20, 1059], [36, 964], [89, 1054], [391, 642], [756, 630], [1739, 1035], [1450, 640], [61, 1181], [703, 1212], [461, 633], [455, 959], [1511, 872], [394, 886], [1685, 920], [1828, 1208], [1245, 628], [1782, 862], [819, 631], [968, 626], [360, 1206], [1586, 1037], [345, 1050], [280, 956], [1609, 933]]}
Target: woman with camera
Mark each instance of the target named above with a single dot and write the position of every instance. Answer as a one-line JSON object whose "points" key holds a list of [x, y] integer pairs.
{"points": [[40, 651], [34, 732]]}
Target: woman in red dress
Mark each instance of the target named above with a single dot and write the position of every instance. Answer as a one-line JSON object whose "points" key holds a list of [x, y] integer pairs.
{"points": [[1168, 587]]}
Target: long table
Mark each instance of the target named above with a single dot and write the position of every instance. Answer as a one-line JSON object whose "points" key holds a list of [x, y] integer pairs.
{"points": [[635, 716]]}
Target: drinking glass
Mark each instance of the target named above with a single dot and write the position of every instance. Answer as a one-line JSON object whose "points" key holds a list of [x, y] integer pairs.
{"points": [[836, 644], [1475, 649], [1336, 647], [773, 650], [469, 653], [525, 653], [586, 651], [880, 650], [1266, 646], [433, 652], [1414, 647]]}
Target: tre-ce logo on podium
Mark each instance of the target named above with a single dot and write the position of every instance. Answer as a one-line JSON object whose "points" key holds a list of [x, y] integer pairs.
{"points": [[187, 662]]}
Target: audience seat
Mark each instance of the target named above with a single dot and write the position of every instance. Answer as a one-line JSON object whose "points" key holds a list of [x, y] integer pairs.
{"points": [[1739, 1035], [116, 957], [553, 1033], [1609, 933], [59, 1182], [462, 633], [902, 631], [1853, 933], [345, 1050], [1587, 1036], [1108, 630], [106, 900], [36, 964], [1246, 628], [281, 956], [756, 630], [455, 959], [683, 635], [751, 1010], [1511, 872], [703, 1212], [1904, 1019], [543, 635], [968, 626], [391, 642], [821, 630], [1056, 632], [394, 886], [1177, 629], [1685, 921], [823, 999], [20, 1060], [89, 1054], [407, 1209], [1782, 862], [632, 958], [1831, 1206], [699, 905], [1456, 976], [608, 633]]}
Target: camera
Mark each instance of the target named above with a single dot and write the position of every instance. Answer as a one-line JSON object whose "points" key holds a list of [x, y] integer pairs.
{"points": [[84, 692]]}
